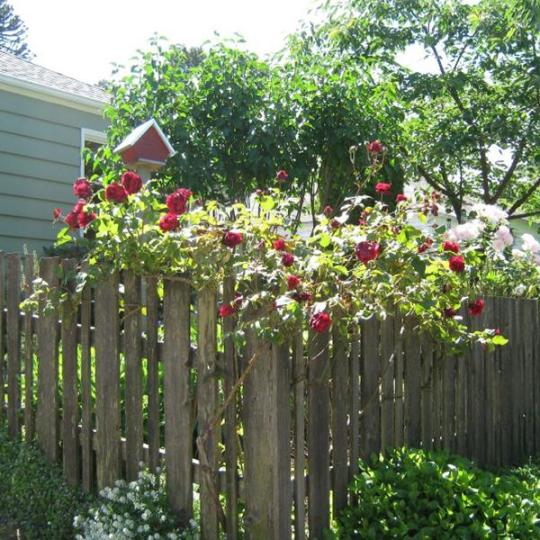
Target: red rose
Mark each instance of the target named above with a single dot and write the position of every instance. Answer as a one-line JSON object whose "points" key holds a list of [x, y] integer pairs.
{"points": [[226, 310], [450, 312], [293, 282], [85, 218], [82, 188], [232, 238], [287, 259], [367, 251], [320, 322], [383, 188], [401, 198], [132, 182], [497, 332], [328, 211], [72, 220], [451, 246], [279, 244], [169, 222], [375, 147], [457, 263], [79, 207], [476, 307], [176, 202], [282, 175], [115, 192], [57, 213]]}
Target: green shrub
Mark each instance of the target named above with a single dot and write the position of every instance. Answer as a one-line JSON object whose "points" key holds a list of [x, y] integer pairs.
{"points": [[137, 509], [33, 494], [425, 495]]}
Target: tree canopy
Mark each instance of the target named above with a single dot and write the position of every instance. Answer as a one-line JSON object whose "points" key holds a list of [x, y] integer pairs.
{"points": [[12, 32]]}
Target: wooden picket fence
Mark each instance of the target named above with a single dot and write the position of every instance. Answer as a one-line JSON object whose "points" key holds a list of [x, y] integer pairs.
{"points": [[277, 429]]}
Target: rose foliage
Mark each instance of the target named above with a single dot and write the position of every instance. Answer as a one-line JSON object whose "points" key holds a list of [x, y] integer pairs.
{"points": [[345, 272]]}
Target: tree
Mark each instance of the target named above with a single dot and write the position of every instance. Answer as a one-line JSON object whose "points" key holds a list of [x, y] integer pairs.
{"points": [[12, 32], [482, 97]]}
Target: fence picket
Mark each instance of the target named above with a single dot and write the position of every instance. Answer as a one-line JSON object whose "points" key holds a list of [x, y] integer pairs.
{"points": [[413, 377], [132, 353], [388, 360], [13, 343], [427, 392], [28, 329], [178, 427], [107, 382], [354, 435], [2, 338], [399, 375], [47, 405], [70, 406]]}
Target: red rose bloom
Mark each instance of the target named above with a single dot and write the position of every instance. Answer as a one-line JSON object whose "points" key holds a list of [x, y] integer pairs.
{"points": [[85, 218], [132, 182], [115, 192], [57, 213], [293, 282], [375, 147], [476, 307], [176, 202], [282, 175], [72, 220], [383, 188], [287, 259], [367, 251], [279, 244], [232, 238], [450, 312], [226, 310], [457, 263], [82, 188], [401, 198], [328, 211], [169, 222], [451, 246], [320, 322]]}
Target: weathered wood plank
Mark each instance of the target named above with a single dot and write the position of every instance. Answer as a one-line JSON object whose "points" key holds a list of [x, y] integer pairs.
{"points": [[489, 378], [207, 406], [507, 373], [132, 354], [528, 330], [28, 329], [87, 405], [318, 436], [413, 377], [340, 396], [449, 402], [47, 332], [178, 426], [462, 399], [3, 371], [399, 376], [152, 357], [354, 435], [230, 436], [107, 382], [299, 440], [536, 378], [517, 383], [370, 419], [438, 362], [70, 406], [13, 343], [387, 383], [427, 392]]}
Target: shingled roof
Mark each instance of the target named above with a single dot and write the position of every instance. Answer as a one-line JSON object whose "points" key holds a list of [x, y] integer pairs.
{"points": [[27, 72]]}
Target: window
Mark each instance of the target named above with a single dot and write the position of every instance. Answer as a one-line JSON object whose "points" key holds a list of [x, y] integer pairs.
{"points": [[91, 140]]}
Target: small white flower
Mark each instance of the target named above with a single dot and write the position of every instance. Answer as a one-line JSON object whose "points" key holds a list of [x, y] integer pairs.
{"points": [[465, 231], [502, 238], [490, 212], [529, 243], [520, 289]]}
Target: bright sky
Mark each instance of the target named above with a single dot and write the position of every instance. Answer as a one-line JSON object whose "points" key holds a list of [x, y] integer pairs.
{"points": [[82, 38]]}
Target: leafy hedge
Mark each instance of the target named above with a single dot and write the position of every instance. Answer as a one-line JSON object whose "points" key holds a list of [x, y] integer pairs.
{"points": [[33, 494], [424, 495]]}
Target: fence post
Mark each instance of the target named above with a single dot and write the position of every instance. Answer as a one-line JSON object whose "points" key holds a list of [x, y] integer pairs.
{"points": [[107, 382], [47, 405], [13, 343], [176, 375], [28, 353], [2, 336]]}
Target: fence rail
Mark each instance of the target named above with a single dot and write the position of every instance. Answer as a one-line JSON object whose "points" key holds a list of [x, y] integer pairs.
{"points": [[142, 372]]}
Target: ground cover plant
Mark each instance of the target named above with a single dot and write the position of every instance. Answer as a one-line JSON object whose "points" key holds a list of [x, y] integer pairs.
{"points": [[411, 493]]}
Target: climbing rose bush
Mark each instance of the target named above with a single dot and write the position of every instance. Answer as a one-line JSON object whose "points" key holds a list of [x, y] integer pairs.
{"points": [[348, 270]]}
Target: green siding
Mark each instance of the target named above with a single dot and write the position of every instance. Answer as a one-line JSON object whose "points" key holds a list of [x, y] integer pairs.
{"points": [[39, 159]]}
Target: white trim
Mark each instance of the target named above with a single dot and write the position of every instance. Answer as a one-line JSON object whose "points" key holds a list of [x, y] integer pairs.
{"points": [[51, 95], [90, 135], [138, 132]]}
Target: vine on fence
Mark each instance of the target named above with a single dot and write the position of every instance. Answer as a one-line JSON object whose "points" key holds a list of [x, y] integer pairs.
{"points": [[362, 259]]}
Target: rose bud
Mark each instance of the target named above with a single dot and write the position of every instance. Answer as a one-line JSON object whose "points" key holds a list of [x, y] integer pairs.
{"points": [[232, 238], [476, 307], [82, 188], [457, 263], [169, 222], [367, 251], [287, 259], [375, 147], [320, 322]]}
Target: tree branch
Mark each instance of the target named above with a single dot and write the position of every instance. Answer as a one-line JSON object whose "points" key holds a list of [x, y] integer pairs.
{"points": [[524, 197], [509, 173], [525, 215]]}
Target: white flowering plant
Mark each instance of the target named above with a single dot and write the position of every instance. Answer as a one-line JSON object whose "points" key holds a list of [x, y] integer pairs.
{"points": [[136, 510]]}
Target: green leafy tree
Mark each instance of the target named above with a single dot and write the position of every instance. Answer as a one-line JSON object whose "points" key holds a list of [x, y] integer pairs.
{"points": [[483, 94], [12, 32]]}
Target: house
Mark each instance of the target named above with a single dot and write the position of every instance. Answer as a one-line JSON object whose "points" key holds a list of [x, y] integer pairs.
{"points": [[46, 119]]}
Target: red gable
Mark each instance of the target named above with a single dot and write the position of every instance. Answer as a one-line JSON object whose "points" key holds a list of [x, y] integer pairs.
{"points": [[149, 147]]}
